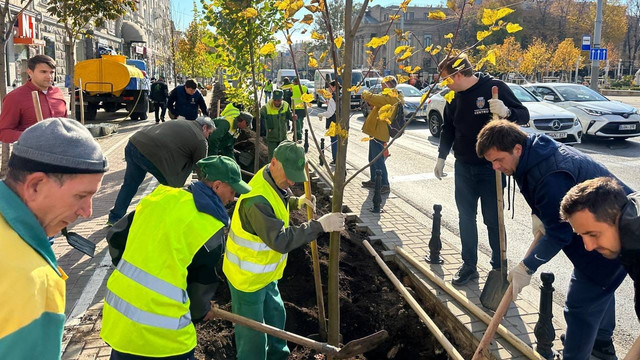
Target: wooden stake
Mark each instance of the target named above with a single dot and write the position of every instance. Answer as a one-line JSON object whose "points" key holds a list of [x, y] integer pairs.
{"points": [[453, 353], [36, 105], [81, 102]]}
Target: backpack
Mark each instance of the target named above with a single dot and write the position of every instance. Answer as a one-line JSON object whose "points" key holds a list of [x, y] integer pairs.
{"points": [[398, 121]]}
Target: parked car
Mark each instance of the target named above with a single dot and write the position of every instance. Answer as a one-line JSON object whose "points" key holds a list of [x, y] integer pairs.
{"points": [[322, 76], [411, 100], [309, 84], [544, 118], [598, 115]]}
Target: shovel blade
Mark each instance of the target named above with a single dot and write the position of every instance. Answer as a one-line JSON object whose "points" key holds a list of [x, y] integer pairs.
{"points": [[494, 290], [80, 243], [362, 345]]}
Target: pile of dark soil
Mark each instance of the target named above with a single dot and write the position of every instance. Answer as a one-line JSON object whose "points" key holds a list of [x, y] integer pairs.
{"points": [[245, 144], [369, 303]]}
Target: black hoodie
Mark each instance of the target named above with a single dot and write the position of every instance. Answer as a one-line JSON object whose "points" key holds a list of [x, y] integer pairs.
{"points": [[469, 111], [630, 243]]}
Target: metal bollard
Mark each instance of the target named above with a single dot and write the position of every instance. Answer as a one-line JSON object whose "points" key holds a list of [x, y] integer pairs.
{"points": [[377, 197], [306, 140], [435, 244], [544, 331], [321, 152]]}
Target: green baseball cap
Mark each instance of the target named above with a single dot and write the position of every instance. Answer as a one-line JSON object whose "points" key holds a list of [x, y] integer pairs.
{"points": [[291, 156], [225, 169], [277, 94]]}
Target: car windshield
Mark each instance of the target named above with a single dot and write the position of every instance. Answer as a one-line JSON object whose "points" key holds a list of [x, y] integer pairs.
{"points": [[408, 90], [356, 78], [522, 94], [578, 93]]}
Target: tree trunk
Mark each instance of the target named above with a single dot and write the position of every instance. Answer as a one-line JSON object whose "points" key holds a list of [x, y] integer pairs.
{"points": [[72, 73], [256, 155]]}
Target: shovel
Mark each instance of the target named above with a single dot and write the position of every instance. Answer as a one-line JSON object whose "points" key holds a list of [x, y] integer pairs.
{"points": [[351, 349], [79, 243], [497, 283]]}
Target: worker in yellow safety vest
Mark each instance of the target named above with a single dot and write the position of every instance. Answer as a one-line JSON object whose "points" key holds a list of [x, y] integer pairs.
{"points": [[297, 91], [166, 253], [256, 254]]}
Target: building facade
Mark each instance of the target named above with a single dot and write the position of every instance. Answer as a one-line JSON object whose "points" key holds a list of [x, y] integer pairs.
{"points": [[422, 33], [142, 34]]}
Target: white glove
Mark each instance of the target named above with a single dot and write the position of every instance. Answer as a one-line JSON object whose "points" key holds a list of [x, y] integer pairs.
{"points": [[519, 277], [332, 222], [319, 118], [496, 106], [181, 118], [303, 201], [439, 169], [537, 226]]}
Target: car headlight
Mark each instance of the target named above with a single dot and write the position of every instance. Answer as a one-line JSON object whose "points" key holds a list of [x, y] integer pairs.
{"points": [[526, 125], [576, 122], [594, 112], [634, 111]]}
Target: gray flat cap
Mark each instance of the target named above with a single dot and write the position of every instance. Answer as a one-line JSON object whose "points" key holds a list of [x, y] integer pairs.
{"points": [[58, 145]]}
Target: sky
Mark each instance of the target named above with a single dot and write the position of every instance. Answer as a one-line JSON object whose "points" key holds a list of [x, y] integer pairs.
{"points": [[182, 13]]}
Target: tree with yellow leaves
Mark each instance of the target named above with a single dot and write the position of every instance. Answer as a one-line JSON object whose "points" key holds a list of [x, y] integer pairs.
{"points": [[535, 59], [565, 58]]}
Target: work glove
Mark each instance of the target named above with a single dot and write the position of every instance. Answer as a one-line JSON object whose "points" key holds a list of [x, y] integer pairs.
{"points": [[181, 118], [439, 169], [332, 222], [496, 106], [303, 201], [319, 118], [537, 226], [519, 277]]}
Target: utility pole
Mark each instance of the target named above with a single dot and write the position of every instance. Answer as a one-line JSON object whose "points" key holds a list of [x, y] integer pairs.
{"points": [[595, 70]]}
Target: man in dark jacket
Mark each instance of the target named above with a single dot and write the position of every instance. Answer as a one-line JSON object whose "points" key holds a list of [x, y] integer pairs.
{"points": [[222, 140], [608, 221], [168, 151], [471, 108], [545, 171], [159, 95], [184, 101]]}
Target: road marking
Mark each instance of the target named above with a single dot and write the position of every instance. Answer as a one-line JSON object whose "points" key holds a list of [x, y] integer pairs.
{"points": [[416, 177], [93, 285]]}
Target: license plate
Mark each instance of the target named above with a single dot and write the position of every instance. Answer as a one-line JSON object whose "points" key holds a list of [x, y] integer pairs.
{"points": [[557, 135], [627, 127]]}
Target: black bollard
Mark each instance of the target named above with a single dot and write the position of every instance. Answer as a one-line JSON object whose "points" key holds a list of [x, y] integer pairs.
{"points": [[322, 152], [435, 245], [377, 198], [544, 331], [306, 140]]}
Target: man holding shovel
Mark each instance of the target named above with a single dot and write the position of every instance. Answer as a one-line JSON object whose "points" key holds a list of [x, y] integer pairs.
{"points": [[259, 240], [545, 171], [471, 108]]}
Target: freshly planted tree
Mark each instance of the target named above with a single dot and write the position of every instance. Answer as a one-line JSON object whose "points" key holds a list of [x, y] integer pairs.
{"points": [[77, 15]]}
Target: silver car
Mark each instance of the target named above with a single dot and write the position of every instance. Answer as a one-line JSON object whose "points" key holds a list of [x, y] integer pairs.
{"points": [[599, 116], [411, 101]]}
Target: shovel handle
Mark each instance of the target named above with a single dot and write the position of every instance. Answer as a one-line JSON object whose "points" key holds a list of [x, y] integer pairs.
{"points": [[36, 105], [634, 352], [494, 96], [274, 331], [322, 319]]}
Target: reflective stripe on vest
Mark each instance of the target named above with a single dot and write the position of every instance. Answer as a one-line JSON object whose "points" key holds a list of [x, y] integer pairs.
{"points": [[151, 282], [296, 96], [144, 317], [249, 263]]}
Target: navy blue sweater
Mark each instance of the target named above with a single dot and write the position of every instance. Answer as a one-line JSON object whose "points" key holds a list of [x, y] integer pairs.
{"points": [[182, 104]]}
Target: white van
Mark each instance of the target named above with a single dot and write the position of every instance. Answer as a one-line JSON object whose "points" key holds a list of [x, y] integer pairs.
{"points": [[323, 75], [283, 73]]}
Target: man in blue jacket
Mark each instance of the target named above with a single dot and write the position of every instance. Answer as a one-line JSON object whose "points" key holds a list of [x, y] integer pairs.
{"points": [[184, 101], [545, 171]]}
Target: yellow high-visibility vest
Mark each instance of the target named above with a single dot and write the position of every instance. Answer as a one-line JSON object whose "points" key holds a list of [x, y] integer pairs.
{"points": [[296, 96], [249, 264], [146, 309]]}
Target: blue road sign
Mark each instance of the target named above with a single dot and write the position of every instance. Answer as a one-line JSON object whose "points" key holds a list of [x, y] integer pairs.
{"points": [[598, 54], [586, 42]]}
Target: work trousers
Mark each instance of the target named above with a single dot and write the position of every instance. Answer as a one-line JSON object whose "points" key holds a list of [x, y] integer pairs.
{"points": [[137, 168], [302, 115], [590, 313], [117, 355], [160, 115], [473, 182], [265, 306], [271, 146], [375, 148]]}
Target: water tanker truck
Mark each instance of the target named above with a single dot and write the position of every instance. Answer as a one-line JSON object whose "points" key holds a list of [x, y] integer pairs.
{"points": [[112, 83]]}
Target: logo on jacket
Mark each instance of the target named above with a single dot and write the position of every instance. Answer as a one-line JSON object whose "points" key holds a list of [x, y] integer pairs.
{"points": [[480, 103]]}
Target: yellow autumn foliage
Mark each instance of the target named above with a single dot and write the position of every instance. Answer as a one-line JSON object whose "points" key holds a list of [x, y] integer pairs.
{"points": [[377, 41], [267, 49]]}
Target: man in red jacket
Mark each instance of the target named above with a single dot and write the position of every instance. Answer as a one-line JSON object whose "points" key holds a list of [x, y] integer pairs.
{"points": [[18, 112]]}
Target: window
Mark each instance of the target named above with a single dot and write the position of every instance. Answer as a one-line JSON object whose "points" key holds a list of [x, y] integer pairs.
{"points": [[427, 40], [386, 17], [411, 15]]}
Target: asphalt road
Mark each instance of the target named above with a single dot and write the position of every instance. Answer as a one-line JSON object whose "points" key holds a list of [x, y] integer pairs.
{"points": [[410, 168]]}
